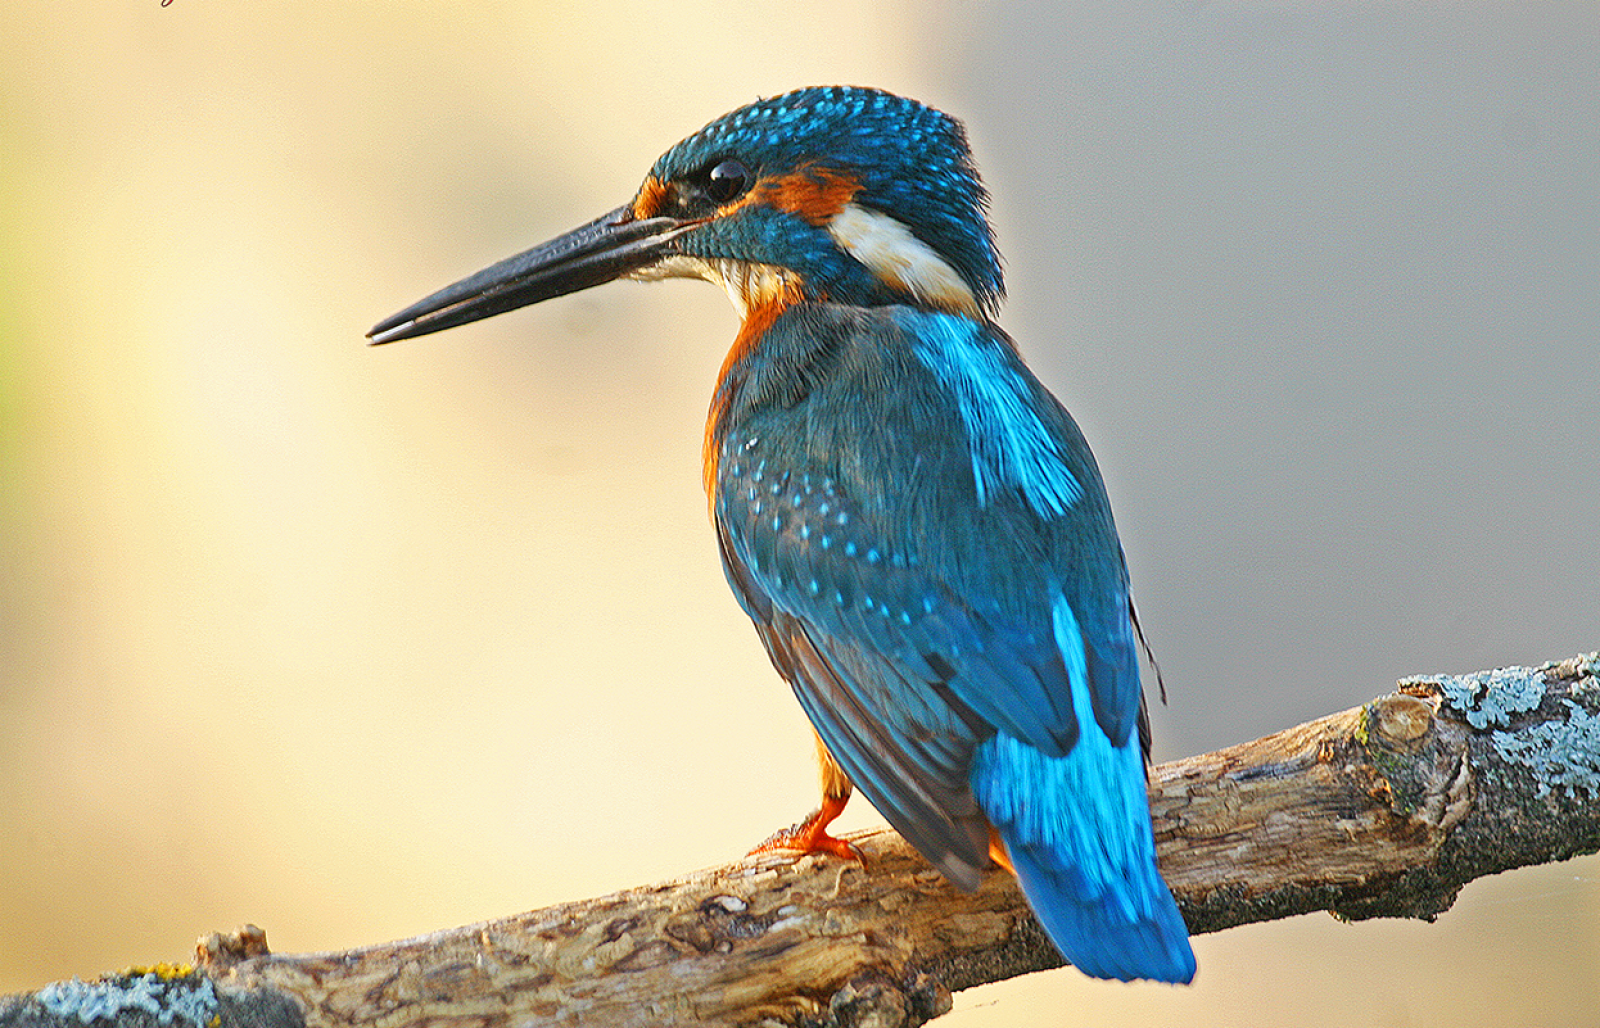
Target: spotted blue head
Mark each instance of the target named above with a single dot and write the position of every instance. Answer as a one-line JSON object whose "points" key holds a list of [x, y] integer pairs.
{"points": [[833, 193]]}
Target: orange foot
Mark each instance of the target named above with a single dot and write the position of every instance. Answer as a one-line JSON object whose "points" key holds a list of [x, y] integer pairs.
{"points": [[811, 835]]}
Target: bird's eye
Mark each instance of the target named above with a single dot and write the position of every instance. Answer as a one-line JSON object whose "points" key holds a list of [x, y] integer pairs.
{"points": [[726, 180]]}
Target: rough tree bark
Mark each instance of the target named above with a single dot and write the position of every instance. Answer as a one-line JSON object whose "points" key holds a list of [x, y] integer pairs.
{"points": [[1385, 810]]}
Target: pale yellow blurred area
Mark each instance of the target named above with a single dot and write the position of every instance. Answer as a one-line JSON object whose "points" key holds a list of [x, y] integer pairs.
{"points": [[358, 643]]}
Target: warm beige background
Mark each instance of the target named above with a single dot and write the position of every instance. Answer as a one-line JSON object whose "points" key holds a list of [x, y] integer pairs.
{"points": [[356, 644]]}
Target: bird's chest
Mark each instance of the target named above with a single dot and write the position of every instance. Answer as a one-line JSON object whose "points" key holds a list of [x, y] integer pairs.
{"points": [[805, 500], [825, 441], [862, 442], [819, 466]]}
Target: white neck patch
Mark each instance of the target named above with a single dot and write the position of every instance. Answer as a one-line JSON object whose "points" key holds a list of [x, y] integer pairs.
{"points": [[900, 260]]}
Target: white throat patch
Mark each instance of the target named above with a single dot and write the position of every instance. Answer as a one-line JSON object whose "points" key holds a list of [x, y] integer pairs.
{"points": [[747, 284]]}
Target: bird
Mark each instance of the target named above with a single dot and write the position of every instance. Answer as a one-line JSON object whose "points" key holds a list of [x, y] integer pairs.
{"points": [[914, 523]]}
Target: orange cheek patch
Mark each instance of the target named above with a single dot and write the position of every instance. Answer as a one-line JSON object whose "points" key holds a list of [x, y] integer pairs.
{"points": [[652, 198], [815, 194]]}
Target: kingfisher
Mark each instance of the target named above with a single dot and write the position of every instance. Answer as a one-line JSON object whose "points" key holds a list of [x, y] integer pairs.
{"points": [[915, 525]]}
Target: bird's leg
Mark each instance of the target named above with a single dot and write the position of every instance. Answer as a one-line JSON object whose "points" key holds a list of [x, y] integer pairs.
{"points": [[811, 834]]}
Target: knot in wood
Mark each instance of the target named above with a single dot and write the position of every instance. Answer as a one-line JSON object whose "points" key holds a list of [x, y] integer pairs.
{"points": [[219, 952], [872, 1000], [869, 1001], [1398, 721]]}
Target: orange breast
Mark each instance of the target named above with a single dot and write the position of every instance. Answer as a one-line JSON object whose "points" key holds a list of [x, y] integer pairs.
{"points": [[760, 314]]}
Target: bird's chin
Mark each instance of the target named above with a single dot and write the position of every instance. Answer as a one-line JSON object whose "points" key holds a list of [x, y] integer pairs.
{"points": [[747, 283]]}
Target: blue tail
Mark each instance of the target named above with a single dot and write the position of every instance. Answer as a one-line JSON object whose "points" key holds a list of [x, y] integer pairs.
{"points": [[1077, 829]]}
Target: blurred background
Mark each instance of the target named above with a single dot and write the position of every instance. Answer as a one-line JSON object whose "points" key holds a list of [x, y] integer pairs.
{"points": [[357, 644]]}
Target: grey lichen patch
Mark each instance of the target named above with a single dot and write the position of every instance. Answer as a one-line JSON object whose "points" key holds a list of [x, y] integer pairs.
{"points": [[186, 1000], [1487, 698], [1561, 755]]}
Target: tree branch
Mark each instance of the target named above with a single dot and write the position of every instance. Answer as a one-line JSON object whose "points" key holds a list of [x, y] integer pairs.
{"points": [[1385, 810]]}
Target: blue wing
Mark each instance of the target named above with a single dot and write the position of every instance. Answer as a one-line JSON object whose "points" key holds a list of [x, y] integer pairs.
{"points": [[948, 598], [946, 539]]}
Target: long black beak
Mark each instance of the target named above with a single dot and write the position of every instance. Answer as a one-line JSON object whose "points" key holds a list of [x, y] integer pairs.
{"points": [[607, 248]]}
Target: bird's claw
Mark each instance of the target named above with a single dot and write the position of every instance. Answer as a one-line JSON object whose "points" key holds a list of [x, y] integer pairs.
{"points": [[811, 836]]}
